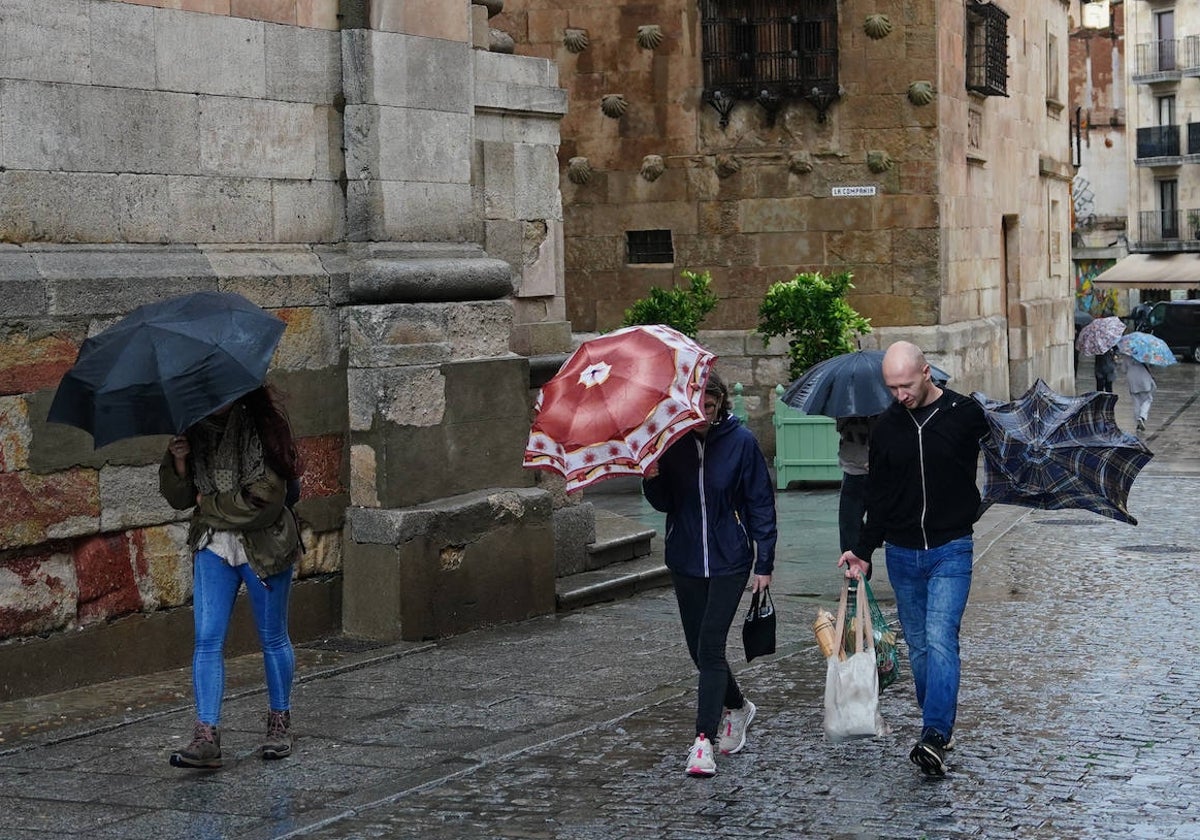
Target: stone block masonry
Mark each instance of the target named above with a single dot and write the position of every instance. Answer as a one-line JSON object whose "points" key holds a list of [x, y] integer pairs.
{"points": [[326, 160], [121, 123], [85, 536]]}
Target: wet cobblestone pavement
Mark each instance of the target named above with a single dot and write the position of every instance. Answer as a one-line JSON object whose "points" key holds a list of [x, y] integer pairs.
{"points": [[1077, 716]]}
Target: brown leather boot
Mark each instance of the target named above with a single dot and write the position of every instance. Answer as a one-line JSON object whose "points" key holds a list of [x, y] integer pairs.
{"points": [[203, 753], [279, 736]]}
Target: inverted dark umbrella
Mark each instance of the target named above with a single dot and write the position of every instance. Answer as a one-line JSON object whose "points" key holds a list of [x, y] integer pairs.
{"points": [[167, 365], [617, 403], [1051, 451], [849, 385]]}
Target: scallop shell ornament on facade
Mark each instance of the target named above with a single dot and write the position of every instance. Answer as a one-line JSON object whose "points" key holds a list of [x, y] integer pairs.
{"points": [[575, 40], [800, 163], [920, 93], [727, 165], [579, 170], [879, 161], [652, 167], [500, 41], [649, 36], [614, 105], [877, 26]]}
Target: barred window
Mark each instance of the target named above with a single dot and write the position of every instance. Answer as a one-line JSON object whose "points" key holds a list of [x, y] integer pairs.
{"points": [[649, 246], [987, 48], [769, 51]]}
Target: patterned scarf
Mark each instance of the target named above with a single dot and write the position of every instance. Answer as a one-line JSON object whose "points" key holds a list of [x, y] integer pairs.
{"points": [[227, 453]]}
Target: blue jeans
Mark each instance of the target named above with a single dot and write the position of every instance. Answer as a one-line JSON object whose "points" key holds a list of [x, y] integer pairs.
{"points": [[707, 607], [931, 587], [215, 587]]}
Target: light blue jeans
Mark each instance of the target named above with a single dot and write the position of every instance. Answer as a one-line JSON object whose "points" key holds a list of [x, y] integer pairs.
{"points": [[931, 587], [215, 587]]}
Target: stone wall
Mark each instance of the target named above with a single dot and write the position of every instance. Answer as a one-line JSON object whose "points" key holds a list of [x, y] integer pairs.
{"points": [[343, 165], [84, 535], [124, 123], [752, 202]]}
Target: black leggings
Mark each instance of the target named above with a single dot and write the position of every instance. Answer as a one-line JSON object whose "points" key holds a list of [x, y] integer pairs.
{"points": [[707, 607]]}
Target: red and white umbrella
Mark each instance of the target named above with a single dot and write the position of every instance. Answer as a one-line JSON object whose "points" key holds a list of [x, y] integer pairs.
{"points": [[618, 402]]}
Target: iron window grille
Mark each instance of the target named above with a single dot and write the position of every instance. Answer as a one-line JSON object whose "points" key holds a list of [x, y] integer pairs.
{"points": [[769, 51], [649, 246], [987, 48]]}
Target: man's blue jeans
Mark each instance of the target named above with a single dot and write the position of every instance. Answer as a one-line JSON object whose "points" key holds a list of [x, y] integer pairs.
{"points": [[931, 587], [215, 586]]}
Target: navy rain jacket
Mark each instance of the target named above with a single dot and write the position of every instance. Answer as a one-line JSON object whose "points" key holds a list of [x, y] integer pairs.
{"points": [[715, 534]]}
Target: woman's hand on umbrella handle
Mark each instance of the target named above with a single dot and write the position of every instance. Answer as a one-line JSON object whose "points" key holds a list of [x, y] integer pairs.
{"points": [[760, 582], [855, 567], [651, 471]]}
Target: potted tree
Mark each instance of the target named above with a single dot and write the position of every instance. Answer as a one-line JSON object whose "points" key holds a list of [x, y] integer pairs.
{"points": [[682, 308], [812, 313]]}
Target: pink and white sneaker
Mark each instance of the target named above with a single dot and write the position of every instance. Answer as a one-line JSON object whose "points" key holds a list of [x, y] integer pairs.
{"points": [[700, 758]]}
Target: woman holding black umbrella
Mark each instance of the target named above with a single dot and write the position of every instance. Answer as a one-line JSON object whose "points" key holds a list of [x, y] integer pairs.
{"points": [[233, 469]]}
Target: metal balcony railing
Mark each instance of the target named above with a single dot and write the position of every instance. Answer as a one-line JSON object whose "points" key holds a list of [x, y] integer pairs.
{"points": [[1193, 138], [1168, 230], [1156, 58], [1189, 58], [1158, 141]]}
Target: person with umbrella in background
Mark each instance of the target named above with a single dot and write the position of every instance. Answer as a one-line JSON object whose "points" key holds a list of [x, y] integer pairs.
{"points": [[1141, 389], [233, 468], [854, 438], [1139, 350], [714, 486], [922, 502], [1105, 370]]}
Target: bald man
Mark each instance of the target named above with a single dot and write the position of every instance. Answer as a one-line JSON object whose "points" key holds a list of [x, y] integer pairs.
{"points": [[922, 504]]}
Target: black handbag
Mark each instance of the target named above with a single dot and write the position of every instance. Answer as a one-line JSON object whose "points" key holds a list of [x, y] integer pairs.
{"points": [[758, 630]]}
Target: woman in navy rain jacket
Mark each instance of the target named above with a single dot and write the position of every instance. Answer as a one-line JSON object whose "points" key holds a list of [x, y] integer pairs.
{"points": [[714, 487]]}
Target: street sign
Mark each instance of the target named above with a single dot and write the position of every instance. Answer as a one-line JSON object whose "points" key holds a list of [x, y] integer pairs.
{"points": [[853, 191]]}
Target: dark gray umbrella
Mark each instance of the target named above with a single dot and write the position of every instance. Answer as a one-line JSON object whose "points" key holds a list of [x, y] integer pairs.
{"points": [[849, 385], [166, 366], [1051, 451]]}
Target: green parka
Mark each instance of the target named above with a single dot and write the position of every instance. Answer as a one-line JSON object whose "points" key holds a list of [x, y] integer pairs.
{"points": [[269, 529]]}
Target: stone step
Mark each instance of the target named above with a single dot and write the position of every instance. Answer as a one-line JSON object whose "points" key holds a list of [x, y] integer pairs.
{"points": [[619, 580], [618, 539]]}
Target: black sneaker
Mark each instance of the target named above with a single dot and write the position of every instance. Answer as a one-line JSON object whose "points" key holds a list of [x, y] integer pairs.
{"points": [[930, 754]]}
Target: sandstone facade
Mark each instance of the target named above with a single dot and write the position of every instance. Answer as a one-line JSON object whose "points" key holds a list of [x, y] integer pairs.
{"points": [[964, 247]]}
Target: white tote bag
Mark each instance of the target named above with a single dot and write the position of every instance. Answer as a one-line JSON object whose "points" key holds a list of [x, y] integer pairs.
{"points": [[851, 679]]}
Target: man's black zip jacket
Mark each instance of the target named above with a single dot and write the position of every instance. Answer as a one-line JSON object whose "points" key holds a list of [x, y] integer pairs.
{"points": [[921, 487]]}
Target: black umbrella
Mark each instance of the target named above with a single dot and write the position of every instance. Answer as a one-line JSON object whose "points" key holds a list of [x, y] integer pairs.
{"points": [[166, 366], [1051, 451], [849, 385]]}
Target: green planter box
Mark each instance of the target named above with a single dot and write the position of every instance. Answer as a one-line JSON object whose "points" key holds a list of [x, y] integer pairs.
{"points": [[806, 446]]}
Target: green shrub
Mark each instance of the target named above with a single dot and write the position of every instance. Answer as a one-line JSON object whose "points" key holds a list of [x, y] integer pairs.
{"points": [[681, 308], [811, 311]]}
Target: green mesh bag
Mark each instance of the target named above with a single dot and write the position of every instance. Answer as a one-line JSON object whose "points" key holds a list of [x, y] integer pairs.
{"points": [[887, 656]]}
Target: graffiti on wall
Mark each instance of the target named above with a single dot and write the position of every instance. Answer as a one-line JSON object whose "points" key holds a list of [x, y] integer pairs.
{"points": [[1095, 302]]}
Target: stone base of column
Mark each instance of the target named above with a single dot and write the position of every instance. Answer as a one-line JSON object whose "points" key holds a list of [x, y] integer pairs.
{"points": [[448, 566]]}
